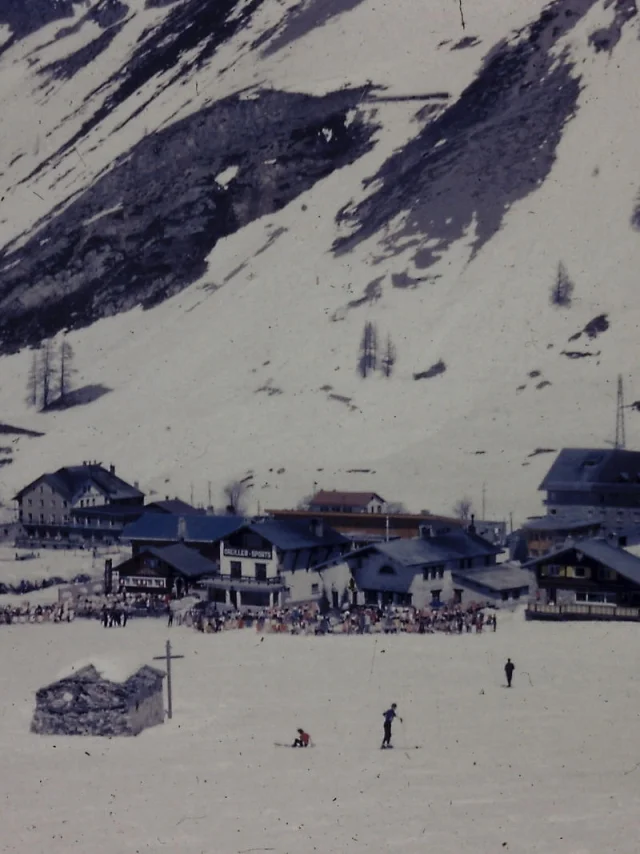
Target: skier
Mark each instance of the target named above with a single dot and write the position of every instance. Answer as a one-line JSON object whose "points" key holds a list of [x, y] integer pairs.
{"points": [[508, 670], [388, 716], [302, 740]]}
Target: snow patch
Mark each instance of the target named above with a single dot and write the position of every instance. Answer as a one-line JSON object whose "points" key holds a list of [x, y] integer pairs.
{"points": [[227, 175]]}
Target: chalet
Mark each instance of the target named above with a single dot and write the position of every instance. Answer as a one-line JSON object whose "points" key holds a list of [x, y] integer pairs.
{"points": [[47, 506], [169, 570], [260, 562], [248, 563], [589, 570], [87, 703], [364, 529], [601, 485], [332, 501], [417, 572]]}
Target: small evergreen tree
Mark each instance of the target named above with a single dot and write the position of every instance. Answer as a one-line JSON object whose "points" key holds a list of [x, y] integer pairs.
{"points": [[562, 289]]}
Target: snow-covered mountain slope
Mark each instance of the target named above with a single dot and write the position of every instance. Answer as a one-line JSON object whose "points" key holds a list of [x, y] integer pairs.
{"points": [[216, 197]]}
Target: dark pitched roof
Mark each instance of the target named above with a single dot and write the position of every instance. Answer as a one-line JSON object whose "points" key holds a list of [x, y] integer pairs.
{"points": [[583, 469], [173, 506], [498, 578], [455, 544], [334, 498], [600, 550], [186, 561], [69, 480], [296, 534], [197, 529]]}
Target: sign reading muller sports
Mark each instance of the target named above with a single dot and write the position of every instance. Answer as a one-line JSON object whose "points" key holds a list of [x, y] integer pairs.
{"points": [[253, 554]]}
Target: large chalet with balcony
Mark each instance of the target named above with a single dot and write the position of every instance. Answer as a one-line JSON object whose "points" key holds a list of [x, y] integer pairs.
{"points": [[87, 502], [597, 570], [242, 563]]}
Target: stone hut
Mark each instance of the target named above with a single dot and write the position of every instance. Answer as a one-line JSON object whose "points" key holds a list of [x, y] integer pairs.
{"points": [[87, 703]]}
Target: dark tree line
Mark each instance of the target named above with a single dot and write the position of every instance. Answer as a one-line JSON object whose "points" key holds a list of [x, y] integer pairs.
{"points": [[50, 375], [370, 357]]}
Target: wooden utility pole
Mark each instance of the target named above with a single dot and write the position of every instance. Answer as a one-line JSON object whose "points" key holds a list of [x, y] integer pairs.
{"points": [[167, 658]]}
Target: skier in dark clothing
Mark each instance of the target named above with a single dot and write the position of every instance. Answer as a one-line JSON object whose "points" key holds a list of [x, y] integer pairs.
{"points": [[388, 716], [169, 616], [508, 669]]}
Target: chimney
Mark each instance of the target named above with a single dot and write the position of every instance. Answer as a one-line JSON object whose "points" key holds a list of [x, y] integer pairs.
{"points": [[472, 526], [112, 469], [136, 484], [182, 529]]}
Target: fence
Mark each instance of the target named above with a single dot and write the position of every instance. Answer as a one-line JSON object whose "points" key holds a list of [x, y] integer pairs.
{"points": [[579, 611]]}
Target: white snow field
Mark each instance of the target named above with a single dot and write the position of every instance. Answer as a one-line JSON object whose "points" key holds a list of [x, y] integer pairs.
{"points": [[550, 767], [259, 375]]}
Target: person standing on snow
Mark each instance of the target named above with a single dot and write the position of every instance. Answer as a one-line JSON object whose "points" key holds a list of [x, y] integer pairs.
{"points": [[508, 671], [388, 716]]}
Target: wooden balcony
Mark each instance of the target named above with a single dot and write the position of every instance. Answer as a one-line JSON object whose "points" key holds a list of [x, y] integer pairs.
{"points": [[243, 582], [582, 611]]}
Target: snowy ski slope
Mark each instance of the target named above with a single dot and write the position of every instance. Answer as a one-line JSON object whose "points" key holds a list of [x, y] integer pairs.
{"points": [[549, 766], [441, 216]]}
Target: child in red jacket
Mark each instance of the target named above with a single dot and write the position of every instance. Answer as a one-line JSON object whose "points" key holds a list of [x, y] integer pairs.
{"points": [[303, 739]]}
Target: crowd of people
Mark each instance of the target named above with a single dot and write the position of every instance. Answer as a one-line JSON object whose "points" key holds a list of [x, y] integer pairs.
{"points": [[307, 619], [112, 610], [27, 613]]}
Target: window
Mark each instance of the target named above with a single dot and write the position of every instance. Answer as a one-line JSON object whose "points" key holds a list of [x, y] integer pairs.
{"points": [[440, 573], [457, 595], [315, 588], [29, 502], [41, 503], [236, 569], [435, 597], [606, 574], [579, 572], [386, 570], [31, 517], [261, 572]]}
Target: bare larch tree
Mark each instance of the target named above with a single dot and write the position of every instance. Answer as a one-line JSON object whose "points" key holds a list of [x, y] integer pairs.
{"points": [[463, 508], [65, 370], [388, 357], [368, 358]]}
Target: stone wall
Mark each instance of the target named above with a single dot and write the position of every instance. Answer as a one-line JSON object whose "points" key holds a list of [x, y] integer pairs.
{"points": [[148, 712]]}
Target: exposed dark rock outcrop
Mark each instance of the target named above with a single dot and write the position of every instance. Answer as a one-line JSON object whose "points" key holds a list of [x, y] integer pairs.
{"points": [[493, 147], [143, 231]]}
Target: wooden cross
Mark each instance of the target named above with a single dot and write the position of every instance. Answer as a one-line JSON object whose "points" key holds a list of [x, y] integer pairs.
{"points": [[167, 658]]}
